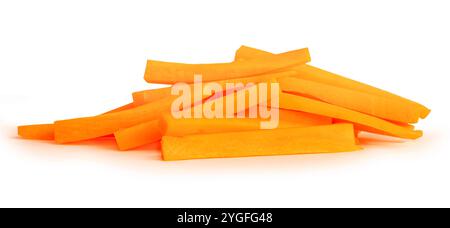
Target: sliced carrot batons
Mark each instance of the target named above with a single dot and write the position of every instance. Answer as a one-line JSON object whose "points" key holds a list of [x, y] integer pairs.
{"points": [[319, 112], [300, 103], [47, 131], [73, 130], [319, 75], [287, 119], [147, 96], [315, 74], [318, 139], [171, 73], [379, 106]]}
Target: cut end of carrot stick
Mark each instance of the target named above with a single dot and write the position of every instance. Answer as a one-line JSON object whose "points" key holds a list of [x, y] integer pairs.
{"points": [[37, 131], [139, 135], [318, 111]]}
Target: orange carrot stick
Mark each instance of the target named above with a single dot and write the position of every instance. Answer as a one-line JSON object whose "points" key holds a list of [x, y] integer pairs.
{"points": [[79, 129], [301, 119], [37, 131], [121, 108], [47, 131], [147, 96], [405, 125], [318, 139], [139, 135], [300, 103], [171, 73], [315, 74], [379, 106], [188, 126], [359, 127]]}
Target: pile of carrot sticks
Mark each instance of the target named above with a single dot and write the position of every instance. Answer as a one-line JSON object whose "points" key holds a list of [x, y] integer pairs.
{"points": [[318, 111]]}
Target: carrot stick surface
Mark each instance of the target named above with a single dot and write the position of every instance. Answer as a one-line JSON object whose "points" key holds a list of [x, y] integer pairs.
{"points": [[146, 96], [79, 129], [359, 127], [300, 103], [291, 118], [73, 130], [188, 126], [171, 73], [379, 106], [37, 131], [315, 74], [318, 139], [138, 135], [47, 131]]}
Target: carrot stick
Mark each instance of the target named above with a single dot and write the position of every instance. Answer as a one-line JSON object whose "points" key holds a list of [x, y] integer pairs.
{"points": [[146, 96], [171, 73], [405, 125], [37, 131], [359, 127], [79, 129], [121, 108], [144, 129], [307, 71], [145, 133], [315, 74], [318, 139], [47, 131], [300, 103], [188, 126], [139, 135], [379, 106], [301, 119]]}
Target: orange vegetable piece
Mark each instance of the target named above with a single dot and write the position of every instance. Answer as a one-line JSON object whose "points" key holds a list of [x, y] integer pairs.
{"points": [[379, 106], [150, 129], [139, 135], [47, 131], [300, 103], [79, 129], [318, 139], [147, 96], [171, 73], [315, 74], [405, 125], [37, 131], [121, 108], [287, 119]]}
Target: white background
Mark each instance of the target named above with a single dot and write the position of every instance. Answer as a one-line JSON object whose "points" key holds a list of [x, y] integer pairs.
{"points": [[64, 59]]}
